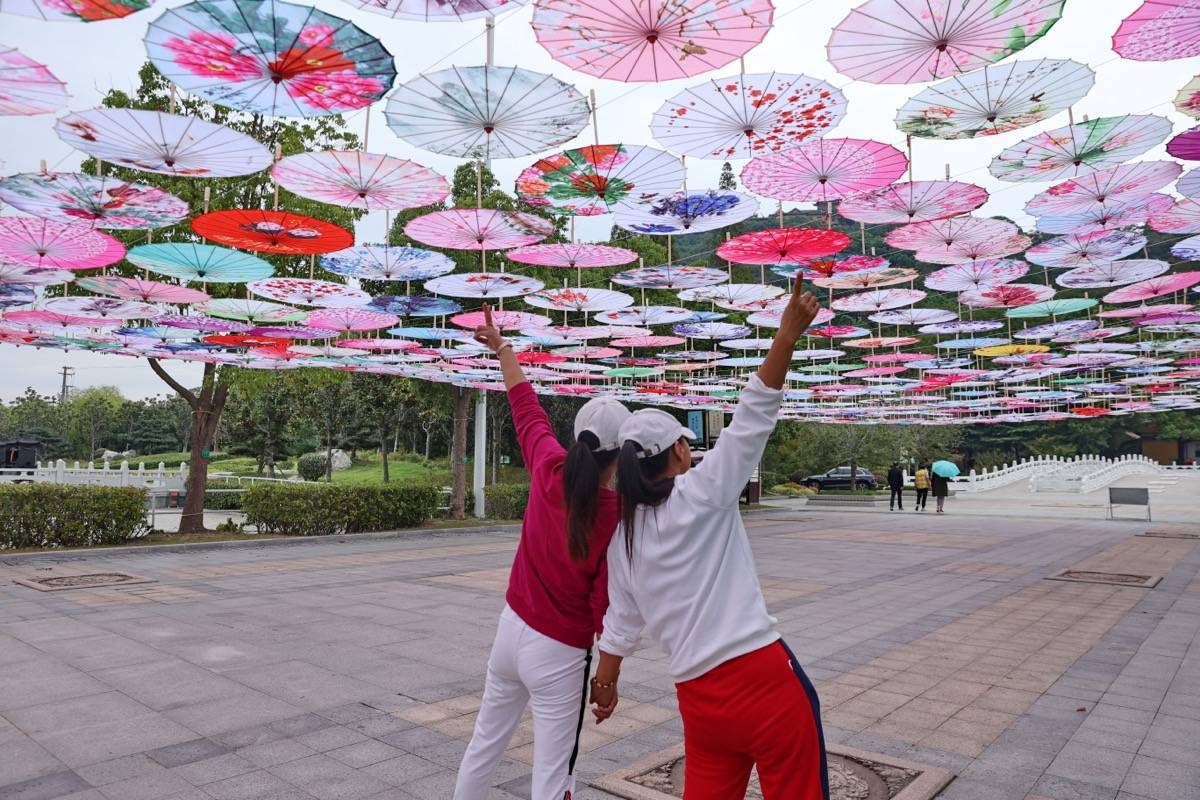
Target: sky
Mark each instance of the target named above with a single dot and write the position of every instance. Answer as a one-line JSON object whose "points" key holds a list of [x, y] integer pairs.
{"points": [[92, 58]]}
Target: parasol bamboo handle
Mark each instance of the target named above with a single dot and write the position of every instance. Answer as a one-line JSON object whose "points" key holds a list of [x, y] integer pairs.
{"points": [[595, 117], [278, 155], [490, 35]]}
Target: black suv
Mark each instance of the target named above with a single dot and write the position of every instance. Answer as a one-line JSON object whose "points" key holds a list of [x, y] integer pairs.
{"points": [[839, 478]]}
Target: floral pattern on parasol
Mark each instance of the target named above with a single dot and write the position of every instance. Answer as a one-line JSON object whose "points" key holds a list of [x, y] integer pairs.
{"points": [[685, 212], [572, 256], [385, 263], [913, 316], [644, 315], [714, 331], [811, 268], [414, 305], [1009, 295], [1109, 216], [437, 10], [744, 115], [278, 232], [302, 291], [1117, 273], [12, 295], [504, 320], [103, 202], [912, 41], [478, 229], [670, 276], [824, 169], [350, 319], [976, 275], [1154, 287], [354, 179], [782, 245], [484, 285], [734, 296], [878, 300], [590, 180], [199, 262], [76, 10], [648, 40], [1187, 102], [579, 299], [917, 201], [1182, 217], [201, 322], [1160, 30], [1081, 148], [144, 290], [1083, 194], [258, 312], [104, 307], [27, 87], [944, 233], [1083, 250], [41, 243], [21, 275], [995, 100], [868, 279], [269, 57]]}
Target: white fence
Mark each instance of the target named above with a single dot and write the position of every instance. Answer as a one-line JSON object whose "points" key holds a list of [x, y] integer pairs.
{"points": [[157, 480], [997, 477], [1084, 474]]}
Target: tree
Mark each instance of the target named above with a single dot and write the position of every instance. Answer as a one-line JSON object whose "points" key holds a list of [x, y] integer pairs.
{"points": [[378, 396], [93, 417], [727, 183]]}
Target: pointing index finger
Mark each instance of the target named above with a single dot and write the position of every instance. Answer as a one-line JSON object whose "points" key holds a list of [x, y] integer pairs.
{"points": [[487, 315]]}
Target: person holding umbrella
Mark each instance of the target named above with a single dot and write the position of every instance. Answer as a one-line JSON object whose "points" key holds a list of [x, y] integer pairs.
{"points": [[943, 471]]}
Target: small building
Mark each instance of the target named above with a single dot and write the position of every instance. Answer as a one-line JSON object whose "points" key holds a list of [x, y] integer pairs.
{"points": [[20, 453], [1148, 442]]}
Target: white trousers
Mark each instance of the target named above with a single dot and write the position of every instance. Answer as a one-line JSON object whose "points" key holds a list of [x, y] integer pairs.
{"points": [[526, 667]]}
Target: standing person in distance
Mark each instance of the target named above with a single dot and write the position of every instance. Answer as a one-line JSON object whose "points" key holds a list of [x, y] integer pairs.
{"points": [[895, 479], [557, 591], [921, 484], [681, 571], [941, 488]]}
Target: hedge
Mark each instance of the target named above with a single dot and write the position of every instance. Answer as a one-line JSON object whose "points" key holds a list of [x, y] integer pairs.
{"points": [[308, 509], [311, 466], [54, 515], [506, 500], [223, 501]]}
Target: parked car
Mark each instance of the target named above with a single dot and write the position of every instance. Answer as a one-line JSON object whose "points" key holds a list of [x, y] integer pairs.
{"points": [[839, 478]]}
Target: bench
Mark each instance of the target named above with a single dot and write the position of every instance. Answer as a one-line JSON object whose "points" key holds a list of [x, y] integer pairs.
{"points": [[1128, 497]]}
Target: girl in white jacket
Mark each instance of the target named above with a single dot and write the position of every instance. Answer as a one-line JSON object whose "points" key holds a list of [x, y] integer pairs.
{"points": [[680, 569]]}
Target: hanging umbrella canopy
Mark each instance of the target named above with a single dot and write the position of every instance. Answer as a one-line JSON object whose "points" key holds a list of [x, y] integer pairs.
{"points": [[27, 87], [1109, 216], [1189, 184], [1122, 184], [1182, 217], [169, 144], [104, 307], [868, 279], [144, 290], [916, 201], [670, 276], [961, 326], [42, 243], [484, 285], [487, 112], [591, 180], [504, 320], [301, 291], [995, 99], [259, 312], [103, 202], [437, 10], [200, 322], [1154, 287], [644, 315], [913, 41], [572, 256], [976, 275], [1008, 295], [685, 212], [782, 245], [44, 319], [414, 305], [269, 57], [713, 331], [1088, 146], [913, 316], [1160, 30], [74, 10], [812, 268], [12, 295], [579, 299], [478, 229], [350, 319], [21, 275], [1051, 308], [963, 251], [647, 40], [207, 263], [1116, 273], [878, 300], [1185, 145], [1087, 249], [824, 169], [941, 234], [385, 263], [1187, 102], [744, 115], [734, 296], [354, 179], [278, 232]]}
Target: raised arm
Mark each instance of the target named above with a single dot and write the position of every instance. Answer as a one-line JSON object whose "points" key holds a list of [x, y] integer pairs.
{"points": [[489, 335]]}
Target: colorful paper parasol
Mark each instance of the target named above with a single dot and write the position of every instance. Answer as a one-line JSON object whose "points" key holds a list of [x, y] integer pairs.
{"points": [[734, 296], [504, 320], [165, 143], [384, 263], [484, 285], [976, 275], [354, 179], [868, 279], [103, 202], [1185, 145], [912, 41], [913, 316], [1109, 216], [647, 40], [487, 112], [1116, 273], [1183, 217], [138, 289], [1081, 148], [1154, 287], [744, 115], [824, 169], [478, 229], [437, 10], [1187, 250], [1189, 184], [269, 57], [258, 312], [579, 299], [713, 331], [207, 263], [414, 306], [350, 319], [42, 243], [1121, 184], [277, 232], [1087, 249], [27, 87], [1187, 102], [103, 307], [1008, 295], [200, 322], [590, 180], [572, 256], [12, 295], [685, 212], [918, 201], [1051, 308], [782, 245], [940, 234], [1159, 30], [670, 276], [77, 10], [301, 291], [21, 275], [644, 315], [878, 300]]}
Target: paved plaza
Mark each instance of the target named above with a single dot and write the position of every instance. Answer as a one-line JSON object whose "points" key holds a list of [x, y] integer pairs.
{"points": [[351, 667]]}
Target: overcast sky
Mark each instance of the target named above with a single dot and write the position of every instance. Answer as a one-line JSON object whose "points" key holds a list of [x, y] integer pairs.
{"points": [[95, 57]]}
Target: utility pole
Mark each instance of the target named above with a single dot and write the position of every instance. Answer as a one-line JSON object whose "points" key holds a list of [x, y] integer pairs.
{"points": [[67, 372]]}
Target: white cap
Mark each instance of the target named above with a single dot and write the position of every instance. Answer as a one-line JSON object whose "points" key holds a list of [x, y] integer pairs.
{"points": [[603, 417], [654, 430]]}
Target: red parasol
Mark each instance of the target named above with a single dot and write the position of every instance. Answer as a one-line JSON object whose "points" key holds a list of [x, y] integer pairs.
{"points": [[277, 232]]}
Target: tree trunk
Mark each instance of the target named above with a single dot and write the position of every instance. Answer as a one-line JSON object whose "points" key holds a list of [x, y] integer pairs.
{"points": [[383, 450], [328, 452], [853, 475], [428, 438], [458, 454]]}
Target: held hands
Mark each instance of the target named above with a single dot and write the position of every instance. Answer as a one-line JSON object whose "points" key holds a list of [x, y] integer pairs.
{"points": [[801, 310], [488, 334]]}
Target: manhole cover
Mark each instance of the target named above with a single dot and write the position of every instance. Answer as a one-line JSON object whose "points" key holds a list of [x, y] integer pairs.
{"points": [[1111, 578], [92, 580]]}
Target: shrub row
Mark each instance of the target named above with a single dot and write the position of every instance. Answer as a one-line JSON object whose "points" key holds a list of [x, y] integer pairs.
{"points": [[223, 501], [54, 515], [311, 509], [505, 500]]}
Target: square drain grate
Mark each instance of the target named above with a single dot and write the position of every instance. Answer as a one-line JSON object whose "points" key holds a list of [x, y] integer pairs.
{"points": [[92, 580], [1110, 578]]}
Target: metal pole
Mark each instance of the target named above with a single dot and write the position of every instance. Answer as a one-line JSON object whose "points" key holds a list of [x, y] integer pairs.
{"points": [[490, 23], [480, 463]]}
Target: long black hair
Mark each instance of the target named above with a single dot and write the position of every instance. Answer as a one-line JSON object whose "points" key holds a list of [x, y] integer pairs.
{"points": [[581, 490], [640, 482]]}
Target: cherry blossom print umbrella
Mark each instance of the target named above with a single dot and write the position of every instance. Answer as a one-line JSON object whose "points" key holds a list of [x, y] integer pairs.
{"points": [[917, 201], [976, 275], [1144, 310], [74, 10], [144, 290], [484, 285], [913, 316], [33, 242], [437, 10], [995, 99], [487, 112], [385, 263], [1154, 287], [811, 268], [1081, 148], [744, 115], [579, 299], [478, 229], [913, 41], [670, 276], [1116, 273], [1009, 295], [824, 169], [307, 292], [644, 315], [27, 87], [590, 180], [782, 245], [259, 312], [685, 212], [1187, 102], [1109, 216], [734, 296], [944, 233], [648, 40], [1086, 249], [44, 319], [878, 300], [103, 307], [572, 256], [504, 320], [1121, 184], [354, 179], [191, 261], [1160, 30], [868, 279], [103, 202], [350, 319], [961, 251], [165, 143], [278, 232], [269, 57], [1183, 217]]}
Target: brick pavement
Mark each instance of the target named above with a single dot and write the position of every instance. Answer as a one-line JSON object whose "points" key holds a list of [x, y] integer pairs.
{"points": [[352, 669]]}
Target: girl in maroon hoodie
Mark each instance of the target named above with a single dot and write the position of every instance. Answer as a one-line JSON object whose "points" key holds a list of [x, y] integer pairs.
{"points": [[557, 591]]}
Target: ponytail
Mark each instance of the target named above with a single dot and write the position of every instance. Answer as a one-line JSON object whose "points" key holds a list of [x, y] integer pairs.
{"points": [[640, 483], [581, 491]]}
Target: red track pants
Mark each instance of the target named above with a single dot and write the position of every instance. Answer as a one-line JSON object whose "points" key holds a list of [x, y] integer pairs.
{"points": [[760, 710]]}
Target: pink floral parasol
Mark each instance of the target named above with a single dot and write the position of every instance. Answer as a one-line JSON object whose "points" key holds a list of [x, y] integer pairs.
{"points": [[27, 87], [670, 276], [478, 229], [350, 319], [42, 243], [1160, 30], [976, 275], [868, 279], [1009, 295], [579, 299], [1144, 310], [644, 315], [913, 316], [824, 169], [1087, 146], [44, 318], [1183, 217], [104, 307], [390, 345], [648, 341], [354, 179], [648, 40], [145, 290], [782, 245], [200, 322], [1085, 249], [960, 252], [913, 41], [504, 320], [572, 256], [21, 275], [917, 201], [1117, 185], [103, 202], [1154, 287], [302, 291], [878, 300], [944, 233], [1116, 273], [483, 285], [1109, 216]]}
